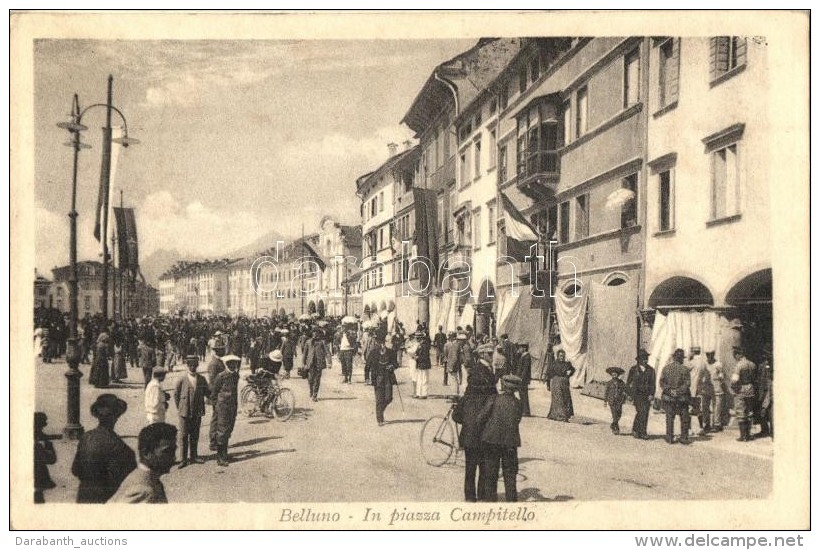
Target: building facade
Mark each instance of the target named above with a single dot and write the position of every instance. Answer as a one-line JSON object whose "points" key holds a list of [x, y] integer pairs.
{"points": [[708, 249]]}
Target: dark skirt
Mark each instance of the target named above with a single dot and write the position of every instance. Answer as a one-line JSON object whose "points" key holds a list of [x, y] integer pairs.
{"points": [[561, 405], [98, 376]]}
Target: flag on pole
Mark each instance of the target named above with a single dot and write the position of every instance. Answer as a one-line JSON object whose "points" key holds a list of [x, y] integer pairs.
{"points": [[127, 241], [109, 160], [520, 234]]}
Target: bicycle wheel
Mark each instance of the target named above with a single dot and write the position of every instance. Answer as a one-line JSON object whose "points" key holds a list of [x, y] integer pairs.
{"points": [[250, 402], [283, 404], [437, 441], [244, 391]]}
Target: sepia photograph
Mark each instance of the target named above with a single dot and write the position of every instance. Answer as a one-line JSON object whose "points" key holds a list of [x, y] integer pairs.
{"points": [[476, 276]]}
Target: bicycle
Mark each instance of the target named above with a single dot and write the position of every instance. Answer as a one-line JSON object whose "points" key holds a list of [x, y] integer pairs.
{"points": [[439, 437], [263, 394]]}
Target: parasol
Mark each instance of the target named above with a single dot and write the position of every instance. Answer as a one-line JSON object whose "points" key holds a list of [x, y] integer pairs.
{"points": [[619, 198]]}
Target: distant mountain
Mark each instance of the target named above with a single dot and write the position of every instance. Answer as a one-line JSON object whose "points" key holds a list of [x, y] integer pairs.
{"points": [[156, 263], [266, 241]]}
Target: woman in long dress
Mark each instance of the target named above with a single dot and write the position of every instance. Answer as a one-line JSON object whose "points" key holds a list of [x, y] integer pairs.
{"points": [[561, 405], [99, 366]]}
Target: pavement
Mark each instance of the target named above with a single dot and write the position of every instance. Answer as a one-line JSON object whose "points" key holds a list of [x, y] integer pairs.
{"points": [[333, 450]]}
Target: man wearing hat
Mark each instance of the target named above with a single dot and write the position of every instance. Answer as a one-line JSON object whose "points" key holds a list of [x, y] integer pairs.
{"points": [[743, 386], [473, 411], [383, 364], [615, 396], [146, 358], [765, 397], [190, 392], [156, 402], [316, 361], [103, 460], [225, 395], [502, 437], [675, 384], [640, 386], [288, 352], [422, 357], [215, 366]]}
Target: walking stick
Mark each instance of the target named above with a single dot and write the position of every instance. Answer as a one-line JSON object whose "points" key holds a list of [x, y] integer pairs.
{"points": [[398, 390]]}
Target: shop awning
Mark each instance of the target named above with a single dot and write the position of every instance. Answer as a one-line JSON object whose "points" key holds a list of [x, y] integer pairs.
{"points": [[527, 321]]}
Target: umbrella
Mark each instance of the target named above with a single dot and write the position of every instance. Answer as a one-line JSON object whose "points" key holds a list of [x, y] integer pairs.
{"points": [[618, 198], [322, 323], [304, 317], [349, 320]]}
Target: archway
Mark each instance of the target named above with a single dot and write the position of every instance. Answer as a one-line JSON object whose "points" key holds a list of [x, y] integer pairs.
{"points": [[755, 288], [484, 308], [680, 291]]}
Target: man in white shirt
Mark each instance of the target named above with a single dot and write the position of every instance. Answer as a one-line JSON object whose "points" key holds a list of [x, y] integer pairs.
{"points": [[156, 402]]}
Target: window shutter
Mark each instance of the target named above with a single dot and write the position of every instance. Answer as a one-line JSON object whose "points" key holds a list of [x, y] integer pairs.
{"points": [[674, 72], [740, 50], [722, 54], [713, 47]]}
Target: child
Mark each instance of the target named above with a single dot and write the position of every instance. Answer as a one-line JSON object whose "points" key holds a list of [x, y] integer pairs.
{"points": [[615, 396], [43, 456]]}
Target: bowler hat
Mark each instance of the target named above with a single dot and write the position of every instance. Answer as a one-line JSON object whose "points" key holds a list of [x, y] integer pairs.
{"points": [[108, 404], [617, 371]]}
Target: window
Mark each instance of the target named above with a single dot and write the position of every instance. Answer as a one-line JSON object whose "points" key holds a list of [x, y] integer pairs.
{"points": [[567, 112], [477, 228], [668, 71], [563, 235], [535, 68], [725, 185], [477, 119], [477, 158], [381, 276], [502, 166], [582, 217], [666, 202], [448, 219], [464, 170], [582, 106], [491, 221], [726, 54], [632, 78], [504, 95], [629, 210], [493, 148], [381, 201], [373, 206], [522, 81], [493, 106], [87, 301]]}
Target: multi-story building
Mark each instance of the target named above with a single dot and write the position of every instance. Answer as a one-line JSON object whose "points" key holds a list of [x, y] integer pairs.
{"points": [[572, 159], [241, 298], [708, 251], [456, 86], [167, 294], [41, 288], [340, 247], [388, 231], [289, 279], [142, 299], [212, 287]]}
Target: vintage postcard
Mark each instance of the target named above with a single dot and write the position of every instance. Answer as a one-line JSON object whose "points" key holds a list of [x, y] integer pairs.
{"points": [[437, 270]]}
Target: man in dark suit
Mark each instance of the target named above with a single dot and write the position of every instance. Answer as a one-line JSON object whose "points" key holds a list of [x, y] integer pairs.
{"points": [[225, 395], [675, 384], [215, 366], [524, 372], [189, 396], [472, 412], [103, 460], [316, 362], [640, 386], [502, 438]]}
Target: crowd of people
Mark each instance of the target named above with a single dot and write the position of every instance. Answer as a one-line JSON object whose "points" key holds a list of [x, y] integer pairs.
{"points": [[491, 379]]}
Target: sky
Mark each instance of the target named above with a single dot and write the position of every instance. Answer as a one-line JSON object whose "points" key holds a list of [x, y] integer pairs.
{"points": [[237, 138]]}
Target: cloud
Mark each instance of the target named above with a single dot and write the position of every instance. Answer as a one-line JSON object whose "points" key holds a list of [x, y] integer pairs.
{"points": [[195, 229], [51, 240]]}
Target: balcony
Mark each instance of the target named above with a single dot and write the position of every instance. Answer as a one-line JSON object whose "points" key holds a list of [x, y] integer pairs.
{"points": [[538, 173], [460, 262]]}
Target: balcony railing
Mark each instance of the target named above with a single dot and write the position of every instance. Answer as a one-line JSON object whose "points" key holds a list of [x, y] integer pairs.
{"points": [[539, 163]]}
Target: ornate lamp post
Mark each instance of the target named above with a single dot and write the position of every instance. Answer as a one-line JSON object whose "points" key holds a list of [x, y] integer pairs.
{"points": [[73, 429]]}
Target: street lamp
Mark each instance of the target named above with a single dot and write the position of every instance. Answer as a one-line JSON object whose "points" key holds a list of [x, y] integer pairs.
{"points": [[73, 429]]}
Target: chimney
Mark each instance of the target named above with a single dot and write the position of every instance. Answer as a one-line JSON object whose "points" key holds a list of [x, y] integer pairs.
{"points": [[407, 144], [393, 148]]}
